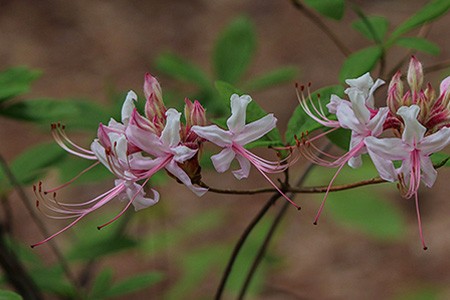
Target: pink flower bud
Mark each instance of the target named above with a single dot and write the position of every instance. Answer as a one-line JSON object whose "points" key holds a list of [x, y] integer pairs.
{"points": [[415, 74], [395, 93], [154, 106], [194, 113]]}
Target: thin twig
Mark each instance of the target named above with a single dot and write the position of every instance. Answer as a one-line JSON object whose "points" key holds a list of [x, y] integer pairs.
{"points": [[437, 67], [319, 23], [26, 201], [296, 190], [15, 272]]}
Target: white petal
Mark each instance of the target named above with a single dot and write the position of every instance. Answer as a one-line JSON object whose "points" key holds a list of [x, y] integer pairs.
{"points": [[214, 134], [128, 106], [335, 101], [384, 167], [388, 148], [362, 83], [245, 168], [255, 130], [145, 140], [176, 171], [140, 201], [348, 120], [170, 135], [444, 87], [359, 107], [375, 124], [355, 162], [182, 153], [120, 144], [414, 131], [99, 151], [223, 160], [435, 142], [139, 162], [370, 100], [236, 121], [429, 174]]}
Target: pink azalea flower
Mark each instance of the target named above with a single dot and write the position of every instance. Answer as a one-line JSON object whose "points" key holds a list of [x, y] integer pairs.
{"points": [[238, 135], [166, 148], [414, 150], [358, 115]]}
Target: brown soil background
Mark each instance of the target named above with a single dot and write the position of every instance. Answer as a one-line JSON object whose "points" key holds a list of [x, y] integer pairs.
{"points": [[82, 46]]}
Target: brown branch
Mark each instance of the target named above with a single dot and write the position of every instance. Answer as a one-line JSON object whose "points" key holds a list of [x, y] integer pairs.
{"points": [[26, 201], [437, 67], [319, 23], [300, 190]]}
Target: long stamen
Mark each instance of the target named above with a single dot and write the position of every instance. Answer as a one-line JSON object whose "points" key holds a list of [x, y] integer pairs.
{"points": [[419, 221], [60, 140]]}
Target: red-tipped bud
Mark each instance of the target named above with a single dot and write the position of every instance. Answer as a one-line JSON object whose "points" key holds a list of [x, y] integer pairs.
{"points": [[152, 86], [395, 93], [415, 74]]}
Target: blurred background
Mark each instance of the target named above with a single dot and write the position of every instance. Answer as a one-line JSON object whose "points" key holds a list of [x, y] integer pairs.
{"points": [[98, 50]]}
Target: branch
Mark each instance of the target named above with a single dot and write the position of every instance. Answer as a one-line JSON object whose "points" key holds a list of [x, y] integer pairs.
{"points": [[26, 201], [319, 23], [296, 190]]}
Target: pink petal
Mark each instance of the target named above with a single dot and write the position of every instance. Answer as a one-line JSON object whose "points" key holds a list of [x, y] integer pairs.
{"points": [[214, 134], [223, 160], [244, 171], [388, 148], [348, 120], [375, 125], [429, 174], [128, 106], [444, 87], [384, 167], [182, 153], [176, 171], [170, 135], [136, 191], [236, 121], [145, 140], [256, 130], [435, 142]]}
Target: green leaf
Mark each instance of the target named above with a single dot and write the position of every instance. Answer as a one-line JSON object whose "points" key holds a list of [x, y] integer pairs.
{"points": [[16, 81], [101, 284], [333, 9], [234, 49], [341, 138], [71, 166], [360, 62], [254, 112], [73, 113], [420, 44], [31, 164], [431, 11], [52, 280], [278, 76], [421, 293], [367, 209], [300, 122], [134, 283], [373, 25], [440, 158], [178, 68], [158, 241], [8, 295]]}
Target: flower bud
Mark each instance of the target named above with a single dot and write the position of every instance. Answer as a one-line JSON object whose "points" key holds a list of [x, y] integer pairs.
{"points": [[194, 113], [154, 106], [395, 93], [415, 74]]}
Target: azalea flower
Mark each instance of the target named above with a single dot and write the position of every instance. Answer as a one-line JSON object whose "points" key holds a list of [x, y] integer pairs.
{"points": [[357, 114], [166, 149], [414, 150], [236, 137]]}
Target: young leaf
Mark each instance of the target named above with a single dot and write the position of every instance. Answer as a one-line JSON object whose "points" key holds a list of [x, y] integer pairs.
{"points": [[420, 44], [178, 68], [9, 295], [300, 122], [340, 137], [431, 11], [333, 9], [234, 49], [378, 26], [134, 283], [16, 81], [360, 62], [31, 164], [73, 113], [278, 76]]}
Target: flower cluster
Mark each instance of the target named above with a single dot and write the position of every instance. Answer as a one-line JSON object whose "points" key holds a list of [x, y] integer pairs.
{"points": [[141, 145], [418, 119]]}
